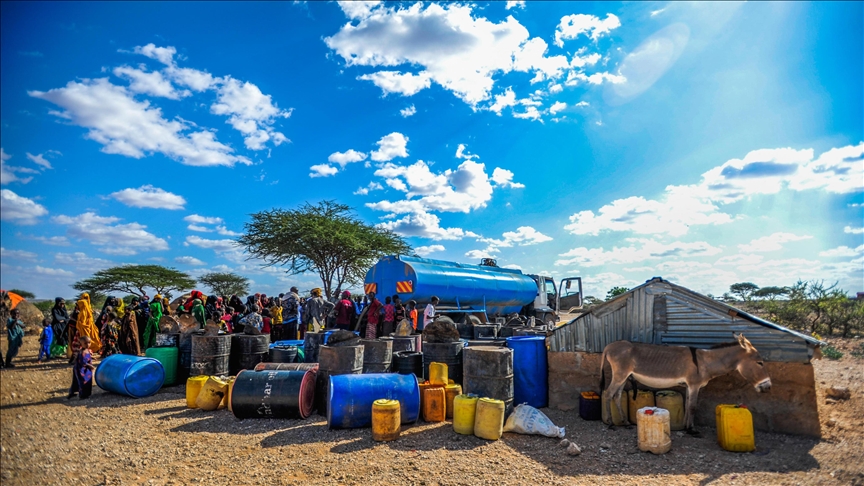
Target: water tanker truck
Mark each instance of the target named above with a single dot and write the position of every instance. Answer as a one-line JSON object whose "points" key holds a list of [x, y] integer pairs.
{"points": [[474, 294]]}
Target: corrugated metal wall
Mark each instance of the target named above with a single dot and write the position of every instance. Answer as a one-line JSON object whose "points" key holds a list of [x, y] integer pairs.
{"points": [[682, 318]]}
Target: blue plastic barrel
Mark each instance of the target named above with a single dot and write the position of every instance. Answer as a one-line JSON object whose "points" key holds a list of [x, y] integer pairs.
{"points": [[128, 375], [530, 373], [351, 398], [289, 342]]}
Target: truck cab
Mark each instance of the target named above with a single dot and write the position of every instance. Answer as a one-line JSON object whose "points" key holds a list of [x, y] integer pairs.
{"points": [[551, 301]]}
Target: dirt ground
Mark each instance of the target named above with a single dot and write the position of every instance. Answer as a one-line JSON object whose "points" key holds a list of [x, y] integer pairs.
{"points": [[111, 439]]}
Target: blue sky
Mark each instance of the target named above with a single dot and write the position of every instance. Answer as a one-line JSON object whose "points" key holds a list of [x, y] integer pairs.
{"points": [[705, 143]]}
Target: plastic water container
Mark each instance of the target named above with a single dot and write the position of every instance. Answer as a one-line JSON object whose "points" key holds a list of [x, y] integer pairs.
{"points": [[644, 398], [652, 425], [735, 428], [168, 356], [351, 398], [530, 370], [386, 420], [132, 376], [489, 419], [226, 400], [212, 394], [193, 388], [674, 402], [438, 373], [434, 404], [451, 391], [589, 406], [464, 410]]}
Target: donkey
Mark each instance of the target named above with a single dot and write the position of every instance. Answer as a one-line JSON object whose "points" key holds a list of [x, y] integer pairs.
{"points": [[659, 366]]}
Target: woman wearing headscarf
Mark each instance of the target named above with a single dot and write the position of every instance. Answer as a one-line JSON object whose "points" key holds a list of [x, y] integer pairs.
{"points": [[235, 303], [128, 340], [60, 322], [210, 310], [102, 325], [187, 306], [120, 309], [84, 323], [199, 313], [152, 323], [111, 335]]}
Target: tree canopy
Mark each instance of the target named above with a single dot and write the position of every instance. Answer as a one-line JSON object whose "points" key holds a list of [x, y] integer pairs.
{"points": [[133, 279], [325, 238], [615, 292], [226, 283], [23, 293]]}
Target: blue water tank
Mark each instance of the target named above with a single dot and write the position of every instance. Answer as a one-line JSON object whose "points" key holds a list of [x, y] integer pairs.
{"points": [[530, 372], [351, 397], [128, 375], [503, 290]]}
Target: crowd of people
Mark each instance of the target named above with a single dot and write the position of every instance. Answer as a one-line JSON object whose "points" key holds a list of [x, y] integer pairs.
{"points": [[122, 328]]}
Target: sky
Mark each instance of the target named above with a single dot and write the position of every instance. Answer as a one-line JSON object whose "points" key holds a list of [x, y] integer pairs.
{"points": [[706, 143]]}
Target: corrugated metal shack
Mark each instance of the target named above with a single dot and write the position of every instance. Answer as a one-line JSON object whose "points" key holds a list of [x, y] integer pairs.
{"points": [[661, 312]]}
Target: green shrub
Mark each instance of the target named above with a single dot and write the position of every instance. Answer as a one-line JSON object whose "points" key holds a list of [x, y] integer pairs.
{"points": [[831, 353]]}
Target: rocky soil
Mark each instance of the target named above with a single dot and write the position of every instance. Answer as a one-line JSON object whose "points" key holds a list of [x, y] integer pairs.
{"points": [[110, 439]]}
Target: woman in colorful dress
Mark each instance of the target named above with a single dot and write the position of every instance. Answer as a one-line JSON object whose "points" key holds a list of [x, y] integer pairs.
{"points": [[152, 323], [84, 323], [111, 335]]}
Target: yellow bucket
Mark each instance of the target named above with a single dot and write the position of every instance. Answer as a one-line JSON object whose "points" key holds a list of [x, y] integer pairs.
{"points": [[227, 393], [489, 419], [464, 408], [674, 402], [435, 404], [386, 420], [212, 394], [450, 392], [616, 417], [193, 388], [643, 399], [438, 373]]}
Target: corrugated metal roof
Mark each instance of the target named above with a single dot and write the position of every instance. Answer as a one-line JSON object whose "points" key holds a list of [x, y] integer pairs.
{"points": [[664, 313]]}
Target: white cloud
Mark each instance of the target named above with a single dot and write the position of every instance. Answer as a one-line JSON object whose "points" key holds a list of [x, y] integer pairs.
{"points": [[358, 9], [424, 225], [406, 84], [450, 46], [648, 249], [854, 231], [514, 4], [408, 111], [148, 196], [189, 260], [7, 172], [504, 178], [391, 146], [842, 251], [556, 107], [765, 171], [132, 128], [480, 254], [199, 228], [23, 254], [346, 158], [249, 111], [165, 55], [197, 218], [81, 261], [149, 83], [18, 209], [462, 154], [427, 250], [740, 259], [460, 190], [572, 26], [112, 237], [215, 245], [508, 98], [322, 170], [222, 230], [373, 186], [773, 242], [39, 160], [49, 240], [54, 272], [582, 103]]}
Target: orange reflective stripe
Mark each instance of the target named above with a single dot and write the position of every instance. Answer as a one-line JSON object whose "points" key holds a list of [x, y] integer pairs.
{"points": [[405, 287], [368, 288]]}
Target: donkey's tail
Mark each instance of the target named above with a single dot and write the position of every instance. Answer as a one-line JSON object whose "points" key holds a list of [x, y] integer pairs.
{"points": [[603, 372]]}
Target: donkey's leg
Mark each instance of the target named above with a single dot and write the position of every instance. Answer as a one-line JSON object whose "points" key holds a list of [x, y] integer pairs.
{"points": [[690, 410], [616, 390]]}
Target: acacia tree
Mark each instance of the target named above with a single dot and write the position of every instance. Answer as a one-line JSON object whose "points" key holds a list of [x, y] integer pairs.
{"points": [[615, 292], [133, 279], [325, 238], [225, 283]]}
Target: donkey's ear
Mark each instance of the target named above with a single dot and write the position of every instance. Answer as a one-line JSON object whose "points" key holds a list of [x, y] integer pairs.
{"points": [[743, 341]]}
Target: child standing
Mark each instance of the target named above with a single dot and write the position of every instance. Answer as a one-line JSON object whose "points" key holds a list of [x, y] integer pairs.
{"points": [[45, 340], [412, 313], [389, 317], [82, 372]]}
